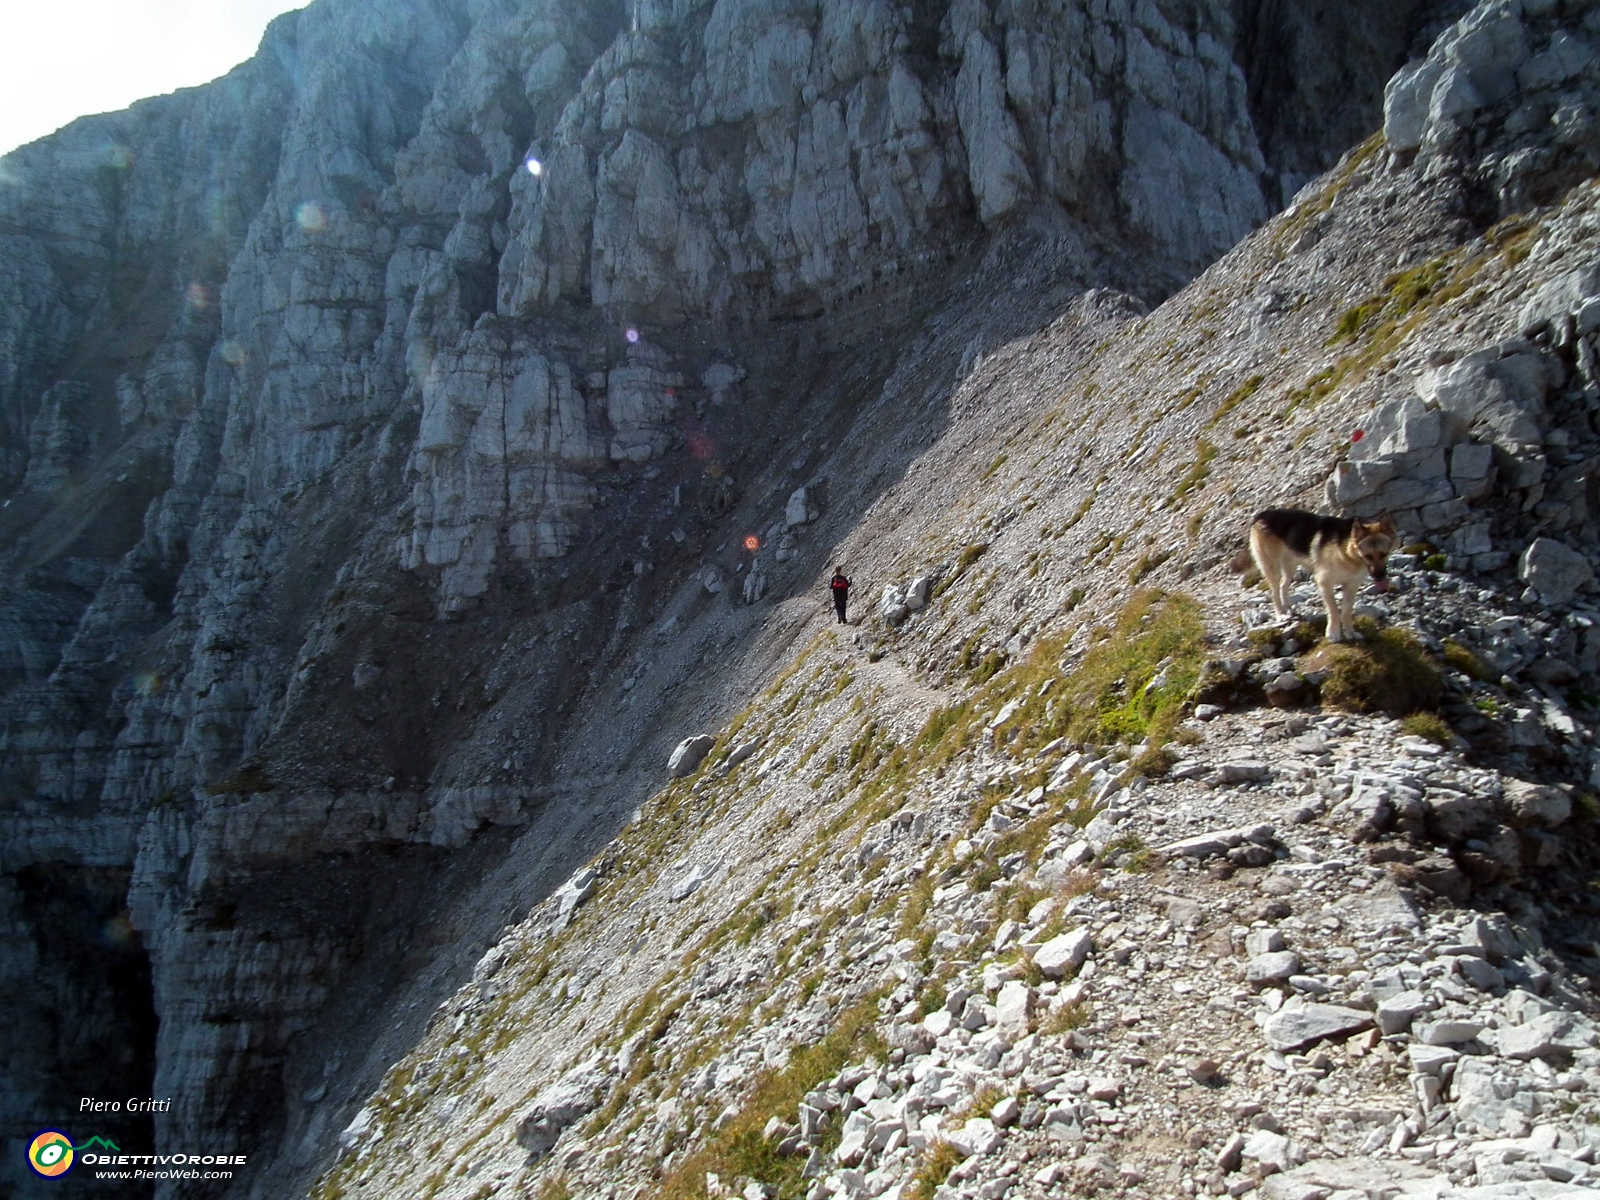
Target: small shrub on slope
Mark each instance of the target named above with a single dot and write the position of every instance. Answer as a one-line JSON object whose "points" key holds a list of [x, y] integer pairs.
{"points": [[1390, 672]]}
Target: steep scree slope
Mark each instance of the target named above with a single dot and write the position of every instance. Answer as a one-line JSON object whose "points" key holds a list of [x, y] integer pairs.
{"points": [[300, 362], [920, 926]]}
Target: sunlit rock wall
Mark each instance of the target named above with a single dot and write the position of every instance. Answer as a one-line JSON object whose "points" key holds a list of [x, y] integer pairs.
{"points": [[295, 362]]}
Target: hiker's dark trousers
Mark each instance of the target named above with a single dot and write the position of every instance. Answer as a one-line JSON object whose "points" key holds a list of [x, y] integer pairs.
{"points": [[838, 603]]}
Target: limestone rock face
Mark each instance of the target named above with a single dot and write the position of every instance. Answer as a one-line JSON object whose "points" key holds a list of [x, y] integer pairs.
{"points": [[1502, 79], [501, 450], [399, 321]]}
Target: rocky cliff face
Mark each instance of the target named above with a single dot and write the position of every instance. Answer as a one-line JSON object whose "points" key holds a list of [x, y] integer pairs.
{"points": [[1035, 883], [382, 424]]}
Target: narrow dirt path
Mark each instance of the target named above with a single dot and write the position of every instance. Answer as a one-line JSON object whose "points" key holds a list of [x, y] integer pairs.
{"points": [[901, 685]]}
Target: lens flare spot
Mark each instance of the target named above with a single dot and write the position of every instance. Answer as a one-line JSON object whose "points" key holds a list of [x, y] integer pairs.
{"points": [[1358, 435], [149, 683], [632, 335], [118, 931], [535, 167], [198, 295], [233, 353], [118, 158], [310, 217], [701, 446], [752, 543]]}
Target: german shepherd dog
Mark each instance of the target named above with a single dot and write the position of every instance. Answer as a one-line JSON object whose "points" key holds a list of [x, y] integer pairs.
{"points": [[1339, 550]]}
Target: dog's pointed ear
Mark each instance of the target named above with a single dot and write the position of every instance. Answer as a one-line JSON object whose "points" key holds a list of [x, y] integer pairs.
{"points": [[1386, 525]]}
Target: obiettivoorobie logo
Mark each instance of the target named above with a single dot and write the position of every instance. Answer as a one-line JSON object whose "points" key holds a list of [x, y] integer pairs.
{"points": [[52, 1154]]}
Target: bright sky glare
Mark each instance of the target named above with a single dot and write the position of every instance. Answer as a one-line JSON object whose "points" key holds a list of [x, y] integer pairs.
{"points": [[61, 59]]}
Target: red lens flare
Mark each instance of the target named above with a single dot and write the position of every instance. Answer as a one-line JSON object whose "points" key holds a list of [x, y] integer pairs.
{"points": [[752, 543]]}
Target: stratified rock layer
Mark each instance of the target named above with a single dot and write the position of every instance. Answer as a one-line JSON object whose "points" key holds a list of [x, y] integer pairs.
{"points": [[520, 317]]}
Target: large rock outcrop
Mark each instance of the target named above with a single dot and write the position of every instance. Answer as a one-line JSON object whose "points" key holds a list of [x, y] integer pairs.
{"points": [[497, 312]]}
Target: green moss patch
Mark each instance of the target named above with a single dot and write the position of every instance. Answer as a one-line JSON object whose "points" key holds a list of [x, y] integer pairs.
{"points": [[1237, 397], [1129, 687], [1390, 672], [1195, 477], [1458, 657], [1428, 725]]}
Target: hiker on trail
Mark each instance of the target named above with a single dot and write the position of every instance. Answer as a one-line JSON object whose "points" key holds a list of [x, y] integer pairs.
{"points": [[841, 592]]}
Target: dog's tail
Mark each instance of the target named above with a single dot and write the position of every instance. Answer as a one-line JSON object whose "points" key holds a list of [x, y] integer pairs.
{"points": [[1240, 562]]}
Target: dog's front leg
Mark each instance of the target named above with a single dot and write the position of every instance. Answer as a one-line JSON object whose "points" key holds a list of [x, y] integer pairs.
{"points": [[1349, 623], [1330, 601]]}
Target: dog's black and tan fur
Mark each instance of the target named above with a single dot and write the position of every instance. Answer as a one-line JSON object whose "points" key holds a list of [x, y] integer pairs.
{"points": [[1339, 551]]}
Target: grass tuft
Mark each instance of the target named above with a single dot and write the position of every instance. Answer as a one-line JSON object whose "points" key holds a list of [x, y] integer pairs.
{"points": [[1429, 725], [969, 555], [1237, 397], [1147, 563], [1066, 1018], [1389, 673], [1198, 472], [940, 1159], [1459, 658]]}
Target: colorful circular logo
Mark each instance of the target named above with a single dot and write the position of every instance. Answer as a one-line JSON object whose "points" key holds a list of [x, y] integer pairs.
{"points": [[50, 1153]]}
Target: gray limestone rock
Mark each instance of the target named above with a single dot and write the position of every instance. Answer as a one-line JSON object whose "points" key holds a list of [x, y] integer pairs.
{"points": [[1013, 1009], [1270, 1150], [917, 592], [1406, 101], [997, 166], [571, 895], [689, 753], [1456, 816], [1554, 1033], [1064, 954], [1352, 1177], [1563, 295], [1276, 967], [1538, 804], [1246, 770], [1263, 941], [555, 1108], [1447, 1032], [1299, 1023], [1212, 845], [1396, 1012], [1554, 570], [799, 510], [686, 886], [977, 1137]]}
